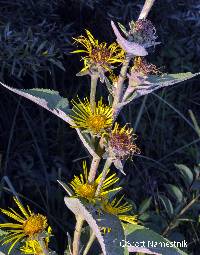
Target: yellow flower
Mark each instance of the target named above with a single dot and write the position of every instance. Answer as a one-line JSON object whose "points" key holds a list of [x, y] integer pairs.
{"points": [[84, 189], [34, 247], [121, 142], [98, 54], [95, 121], [28, 225], [120, 211]]}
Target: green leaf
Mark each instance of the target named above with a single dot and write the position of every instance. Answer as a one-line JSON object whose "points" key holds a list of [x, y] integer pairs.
{"points": [[186, 173], [123, 29], [48, 99], [53, 102], [152, 83], [159, 81], [175, 192], [141, 239], [145, 205], [110, 242], [66, 188], [167, 204]]}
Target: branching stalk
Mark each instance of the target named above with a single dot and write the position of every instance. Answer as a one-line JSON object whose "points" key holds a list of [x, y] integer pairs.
{"points": [[104, 173], [120, 87], [172, 223], [77, 235], [89, 244], [146, 9], [94, 79]]}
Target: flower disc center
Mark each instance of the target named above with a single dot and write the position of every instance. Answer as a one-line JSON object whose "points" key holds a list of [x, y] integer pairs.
{"points": [[34, 224]]}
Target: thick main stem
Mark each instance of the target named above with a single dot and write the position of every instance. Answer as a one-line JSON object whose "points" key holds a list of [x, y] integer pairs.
{"points": [[94, 79], [89, 244], [120, 86], [77, 235], [146, 9], [104, 173]]}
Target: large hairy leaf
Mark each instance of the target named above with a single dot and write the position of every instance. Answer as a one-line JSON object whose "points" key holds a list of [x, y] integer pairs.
{"points": [[110, 242], [160, 81], [154, 82], [53, 102], [48, 99], [141, 239]]}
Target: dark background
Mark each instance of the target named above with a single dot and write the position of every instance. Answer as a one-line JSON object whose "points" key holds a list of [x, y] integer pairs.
{"points": [[37, 148]]}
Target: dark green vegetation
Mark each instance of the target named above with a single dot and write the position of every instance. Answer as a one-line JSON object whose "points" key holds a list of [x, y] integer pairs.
{"points": [[37, 148]]}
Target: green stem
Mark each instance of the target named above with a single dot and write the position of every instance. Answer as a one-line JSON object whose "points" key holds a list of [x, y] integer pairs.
{"points": [[104, 173], [120, 86], [94, 79], [77, 235], [172, 223], [89, 244]]}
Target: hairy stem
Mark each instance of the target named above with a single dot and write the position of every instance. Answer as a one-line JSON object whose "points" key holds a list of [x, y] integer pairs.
{"points": [[104, 173], [77, 235], [94, 79], [120, 87], [93, 168], [146, 9], [89, 244], [172, 223]]}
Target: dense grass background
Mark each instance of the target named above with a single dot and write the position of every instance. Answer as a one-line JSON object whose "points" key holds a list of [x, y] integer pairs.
{"points": [[36, 148]]}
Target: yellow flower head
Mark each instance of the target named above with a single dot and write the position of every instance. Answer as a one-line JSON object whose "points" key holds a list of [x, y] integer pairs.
{"points": [[84, 189], [121, 142], [28, 224], [98, 55], [115, 207], [142, 67], [95, 121], [34, 247]]}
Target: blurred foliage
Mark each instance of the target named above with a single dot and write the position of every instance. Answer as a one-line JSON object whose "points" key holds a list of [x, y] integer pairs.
{"points": [[33, 39], [37, 149]]}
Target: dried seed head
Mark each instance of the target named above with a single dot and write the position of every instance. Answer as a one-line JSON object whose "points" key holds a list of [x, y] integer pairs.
{"points": [[143, 32]]}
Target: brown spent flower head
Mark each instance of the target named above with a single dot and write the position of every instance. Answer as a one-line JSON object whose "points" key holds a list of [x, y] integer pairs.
{"points": [[143, 32], [141, 66], [121, 142]]}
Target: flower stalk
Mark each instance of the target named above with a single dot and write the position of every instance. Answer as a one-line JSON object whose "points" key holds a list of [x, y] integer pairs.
{"points": [[104, 173], [94, 79], [77, 235], [89, 244], [146, 9]]}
